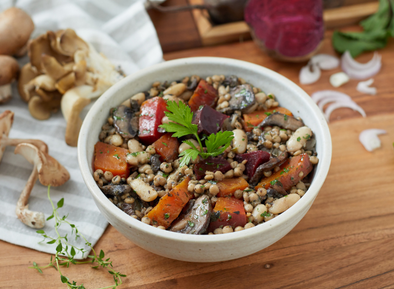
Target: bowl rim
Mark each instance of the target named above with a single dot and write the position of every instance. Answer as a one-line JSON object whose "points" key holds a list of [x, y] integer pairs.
{"points": [[132, 223]]}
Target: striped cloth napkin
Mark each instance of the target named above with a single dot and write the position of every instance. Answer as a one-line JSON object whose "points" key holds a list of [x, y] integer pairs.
{"points": [[122, 30]]}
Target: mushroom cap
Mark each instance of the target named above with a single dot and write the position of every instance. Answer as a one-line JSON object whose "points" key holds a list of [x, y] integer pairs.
{"points": [[52, 67], [8, 69], [67, 42], [25, 76], [41, 109], [50, 171], [15, 29], [42, 46]]}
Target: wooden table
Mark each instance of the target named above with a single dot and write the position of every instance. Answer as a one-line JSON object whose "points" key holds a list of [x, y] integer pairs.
{"points": [[345, 240]]}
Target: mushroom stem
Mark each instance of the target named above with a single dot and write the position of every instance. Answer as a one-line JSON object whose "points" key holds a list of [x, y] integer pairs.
{"points": [[5, 93], [6, 141], [30, 218]]}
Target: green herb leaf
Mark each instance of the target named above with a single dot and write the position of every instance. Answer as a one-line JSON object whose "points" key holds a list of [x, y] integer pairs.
{"points": [[217, 143], [60, 203], [101, 254], [181, 114], [380, 19], [187, 155], [63, 278]]}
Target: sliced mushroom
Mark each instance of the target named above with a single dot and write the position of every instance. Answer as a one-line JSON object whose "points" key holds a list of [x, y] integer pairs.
{"points": [[282, 120], [231, 80], [155, 163], [115, 190], [126, 120], [41, 82], [48, 171], [197, 219], [15, 29], [242, 98], [268, 166], [8, 73]]}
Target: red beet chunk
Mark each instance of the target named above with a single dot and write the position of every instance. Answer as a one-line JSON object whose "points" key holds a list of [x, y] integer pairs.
{"points": [[208, 120], [152, 112], [254, 160], [211, 164], [205, 94]]}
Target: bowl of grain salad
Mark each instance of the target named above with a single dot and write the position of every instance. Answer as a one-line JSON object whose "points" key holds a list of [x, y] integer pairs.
{"points": [[204, 159]]}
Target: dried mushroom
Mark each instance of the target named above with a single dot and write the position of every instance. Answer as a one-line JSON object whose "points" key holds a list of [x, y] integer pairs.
{"points": [[46, 168], [48, 171], [66, 72]]}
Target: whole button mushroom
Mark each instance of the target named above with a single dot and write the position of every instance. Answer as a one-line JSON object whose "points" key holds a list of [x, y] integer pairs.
{"points": [[8, 72], [15, 29]]}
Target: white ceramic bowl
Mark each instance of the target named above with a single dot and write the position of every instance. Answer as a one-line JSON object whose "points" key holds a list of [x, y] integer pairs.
{"points": [[205, 248]]}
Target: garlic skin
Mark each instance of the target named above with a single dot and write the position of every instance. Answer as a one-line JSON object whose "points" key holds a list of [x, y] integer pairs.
{"points": [[339, 79]]}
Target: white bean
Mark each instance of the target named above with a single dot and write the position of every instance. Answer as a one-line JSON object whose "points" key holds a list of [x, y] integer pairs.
{"points": [[282, 204], [176, 89], [185, 146], [261, 97], [240, 141], [258, 212], [299, 138], [134, 146], [143, 190], [139, 97]]}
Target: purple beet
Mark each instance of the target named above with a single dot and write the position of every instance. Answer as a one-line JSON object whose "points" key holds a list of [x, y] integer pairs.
{"points": [[286, 29], [208, 120], [211, 164], [254, 160]]}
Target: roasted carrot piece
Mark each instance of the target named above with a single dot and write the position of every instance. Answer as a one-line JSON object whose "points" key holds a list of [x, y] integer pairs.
{"points": [[290, 173], [228, 211], [167, 147], [111, 158], [170, 205], [253, 119], [227, 187]]}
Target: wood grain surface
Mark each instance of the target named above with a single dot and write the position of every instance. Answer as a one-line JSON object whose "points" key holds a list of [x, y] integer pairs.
{"points": [[346, 240]]}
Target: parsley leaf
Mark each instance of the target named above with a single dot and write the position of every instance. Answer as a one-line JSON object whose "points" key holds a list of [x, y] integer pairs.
{"points": [[217, 143], [182, 117], [187, 155]]}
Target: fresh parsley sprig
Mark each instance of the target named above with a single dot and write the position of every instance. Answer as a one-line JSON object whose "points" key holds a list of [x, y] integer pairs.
{"points": [[65, 252], [181, 118]]}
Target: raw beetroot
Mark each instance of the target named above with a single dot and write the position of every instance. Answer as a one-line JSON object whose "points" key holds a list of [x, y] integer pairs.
{"points": [[254, 160], [211, 164], [286, 28]]}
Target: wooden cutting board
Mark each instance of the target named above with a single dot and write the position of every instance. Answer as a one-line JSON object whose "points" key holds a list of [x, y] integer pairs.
{"points": [[345, 240]]}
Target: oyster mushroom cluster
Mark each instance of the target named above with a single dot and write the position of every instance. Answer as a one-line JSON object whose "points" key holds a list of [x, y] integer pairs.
{"points": [[64, 72], [45, 168], [15, 29]]}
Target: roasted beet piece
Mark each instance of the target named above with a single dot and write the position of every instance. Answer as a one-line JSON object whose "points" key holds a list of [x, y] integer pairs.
{"points": [[205, 94], [254, 160], [211, 164], [208, 120]]}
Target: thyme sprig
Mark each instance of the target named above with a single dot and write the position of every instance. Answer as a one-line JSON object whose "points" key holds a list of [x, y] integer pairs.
{"points": [[65, 251]]}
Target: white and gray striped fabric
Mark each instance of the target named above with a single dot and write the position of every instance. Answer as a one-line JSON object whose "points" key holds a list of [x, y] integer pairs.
{"points": [[122, 30]]}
